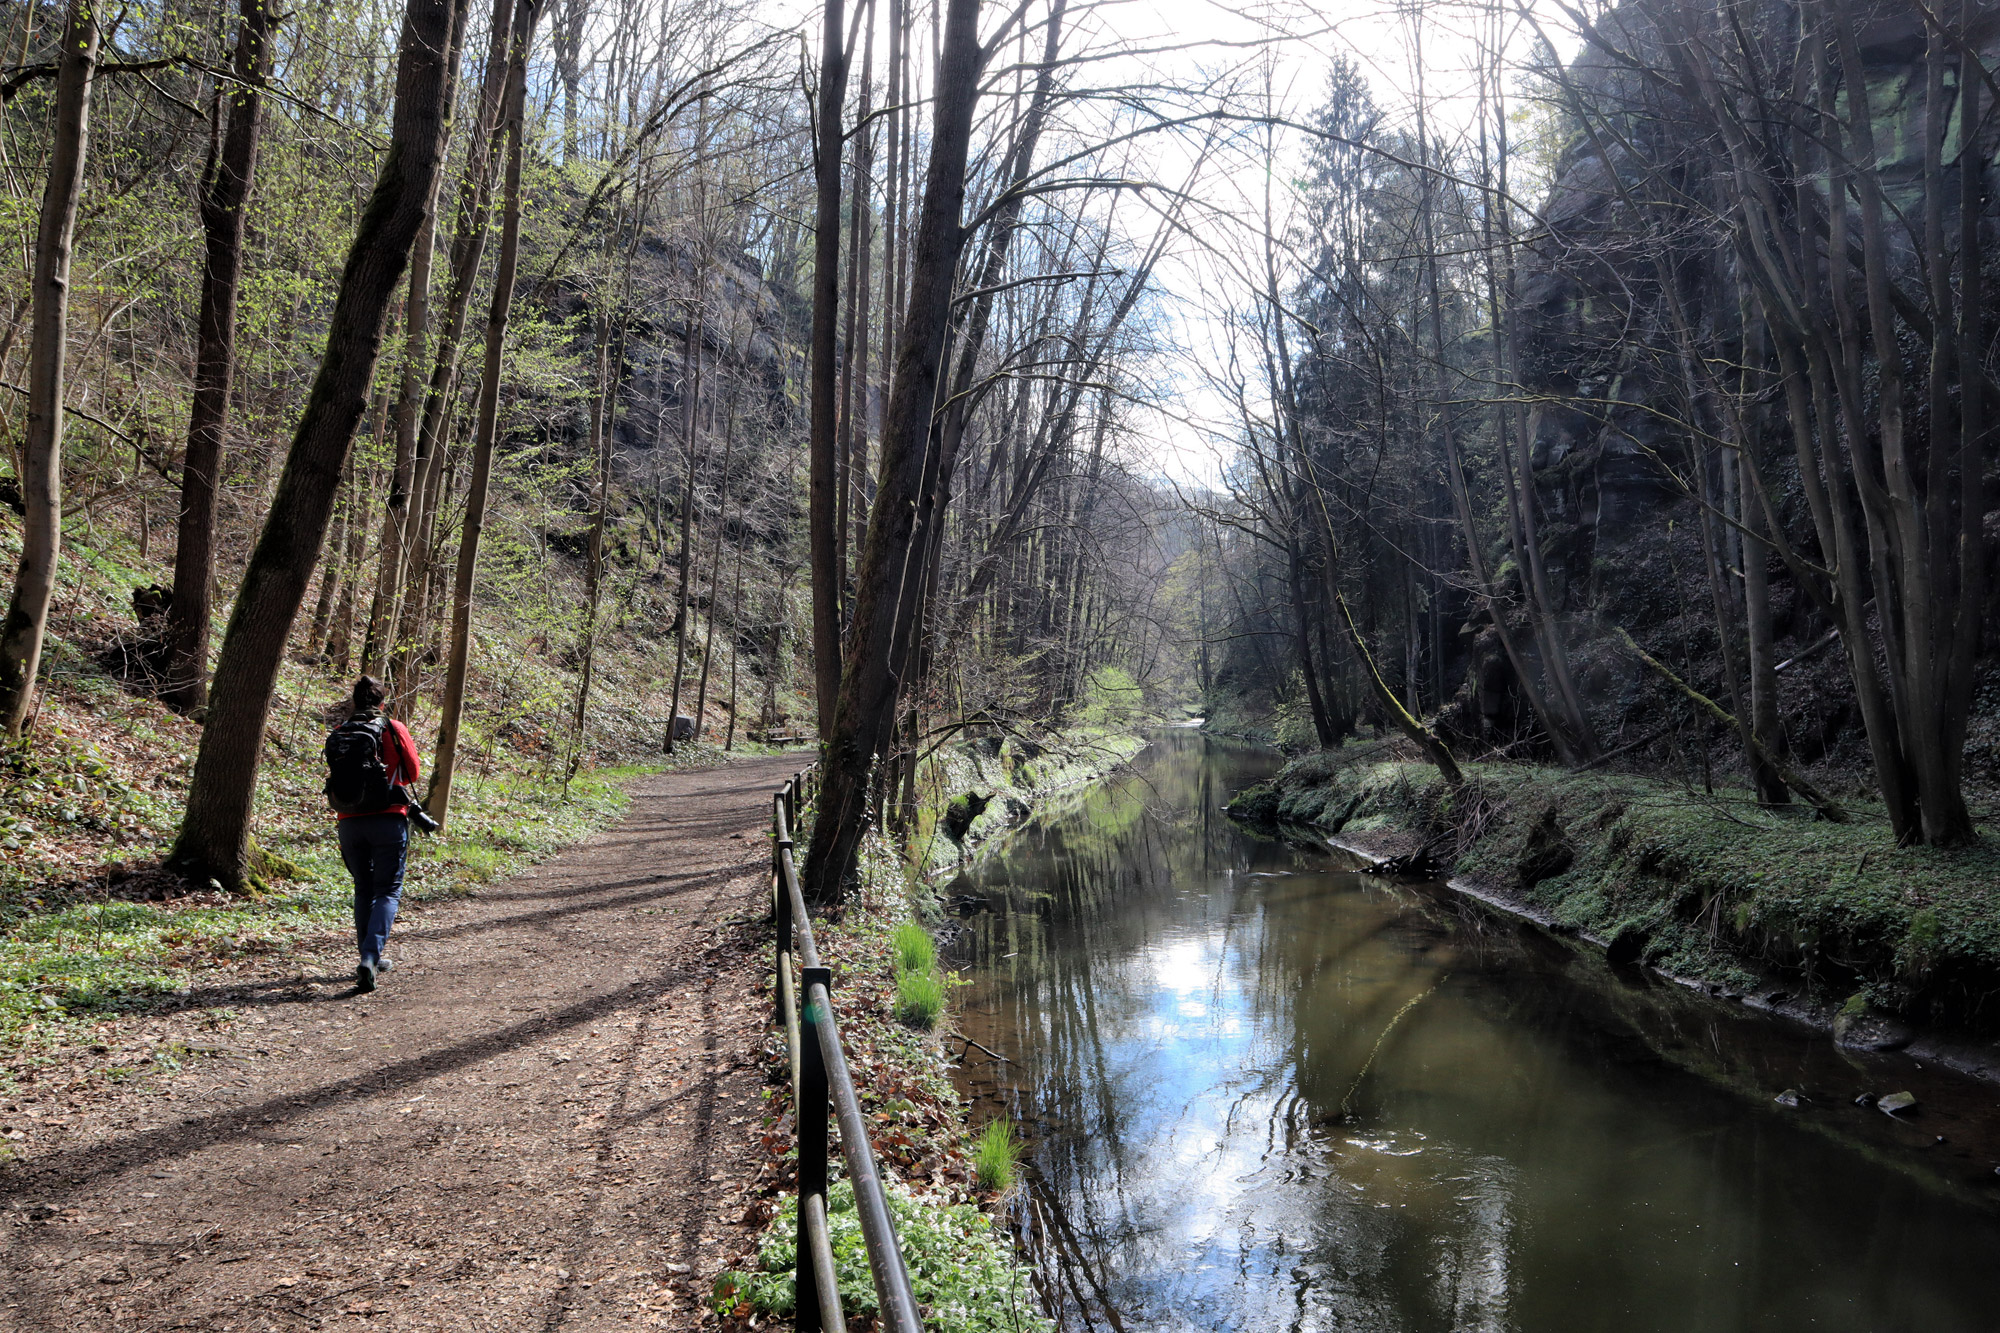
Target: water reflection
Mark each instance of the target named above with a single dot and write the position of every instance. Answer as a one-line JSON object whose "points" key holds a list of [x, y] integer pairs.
{"points": [[1266, 1094]]}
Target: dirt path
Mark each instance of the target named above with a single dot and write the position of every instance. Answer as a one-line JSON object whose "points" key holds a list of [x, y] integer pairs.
{"points": [[544, 1119]]}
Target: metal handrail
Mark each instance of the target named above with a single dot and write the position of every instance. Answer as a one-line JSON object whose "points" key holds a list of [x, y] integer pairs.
{"points": [[819, 1077]]}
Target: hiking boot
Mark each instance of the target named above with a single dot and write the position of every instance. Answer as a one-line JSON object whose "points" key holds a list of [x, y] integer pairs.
{"points": [[385, 965], [364, 976]]}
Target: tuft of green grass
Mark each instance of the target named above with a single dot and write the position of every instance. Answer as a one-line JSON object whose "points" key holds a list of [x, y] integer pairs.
{"points": [[915, 950], [920, 999], [994, 1154]]}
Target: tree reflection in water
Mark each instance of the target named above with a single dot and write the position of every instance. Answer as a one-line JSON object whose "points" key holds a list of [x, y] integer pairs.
{"points": [[1265, 1093]]}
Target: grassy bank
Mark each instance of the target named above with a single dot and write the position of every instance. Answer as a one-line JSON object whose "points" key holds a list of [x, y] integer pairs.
{"points": [[1750, 901], [963, 1269], [95, 943]]}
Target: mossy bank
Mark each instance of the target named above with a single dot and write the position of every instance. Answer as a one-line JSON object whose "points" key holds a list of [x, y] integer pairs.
{"points": [[949, 1179], [980, 790], [1829, 922]]}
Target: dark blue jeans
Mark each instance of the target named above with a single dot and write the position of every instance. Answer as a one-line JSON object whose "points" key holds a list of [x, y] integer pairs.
{"points": [[373, 847]]}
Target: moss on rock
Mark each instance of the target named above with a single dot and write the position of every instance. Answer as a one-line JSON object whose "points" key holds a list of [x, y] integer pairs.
{"points": [[1712, 887]]}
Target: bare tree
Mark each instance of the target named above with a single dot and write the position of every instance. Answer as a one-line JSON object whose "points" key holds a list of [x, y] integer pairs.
{"points": [[867, 697], [225, 193], [214, 839], [459, 646], [41, 454]]}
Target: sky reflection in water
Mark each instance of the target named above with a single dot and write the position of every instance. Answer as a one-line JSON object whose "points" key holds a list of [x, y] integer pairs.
{"points": [[1266, 1095]]}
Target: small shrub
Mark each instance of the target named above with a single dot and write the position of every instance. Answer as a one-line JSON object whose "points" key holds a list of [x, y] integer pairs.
{"points": [[994, 1154], [919, 999], [915, 950]]}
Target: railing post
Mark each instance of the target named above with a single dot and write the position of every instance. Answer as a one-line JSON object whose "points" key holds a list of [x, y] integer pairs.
{"points": [[781, 911], [812, 1115], [781, 903]]}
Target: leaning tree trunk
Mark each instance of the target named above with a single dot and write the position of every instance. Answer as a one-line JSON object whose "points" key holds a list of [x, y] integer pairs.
{"points": [[224, 195], [214, 838], [41, 451], [459, 649], [865, 706]]}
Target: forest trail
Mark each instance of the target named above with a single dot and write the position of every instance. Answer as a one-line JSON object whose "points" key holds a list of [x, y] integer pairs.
{"points": [[545, 1118]]}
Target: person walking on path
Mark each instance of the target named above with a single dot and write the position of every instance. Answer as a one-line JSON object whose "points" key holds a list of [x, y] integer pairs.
{"points": [[370, 759]]}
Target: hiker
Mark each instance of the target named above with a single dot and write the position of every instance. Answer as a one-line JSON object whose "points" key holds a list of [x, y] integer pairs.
{"points": [[369, 758]]}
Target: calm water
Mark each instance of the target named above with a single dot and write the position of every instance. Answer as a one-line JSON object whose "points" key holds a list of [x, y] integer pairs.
{"points": [[1265, 1094]]}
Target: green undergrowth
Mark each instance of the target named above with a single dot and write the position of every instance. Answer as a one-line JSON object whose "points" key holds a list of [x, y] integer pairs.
{"points": [[1708, 886], [994, 1156], [979, 790], [920, 987], [963, 1281], [963, 1267], [91, 799], [74, 955]]}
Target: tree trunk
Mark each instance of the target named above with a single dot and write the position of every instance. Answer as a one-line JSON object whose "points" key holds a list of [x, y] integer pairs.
{"points": [[735, 655], [865, 707], [468, 246], [215, 834], [41, 454], [824, 546], [603, 403], [854, 366], [224, 195], [340, 643], [684, 612], [458, 650], [715, 572], [383, 604], [330, 580], [1765, 727]]}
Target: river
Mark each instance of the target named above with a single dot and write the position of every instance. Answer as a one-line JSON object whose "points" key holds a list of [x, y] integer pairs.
{"points": [[1262, 1092]]}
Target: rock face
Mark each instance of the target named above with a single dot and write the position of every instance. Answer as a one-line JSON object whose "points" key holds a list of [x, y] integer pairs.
{"points": [[1599, 346], [1632, 305]]}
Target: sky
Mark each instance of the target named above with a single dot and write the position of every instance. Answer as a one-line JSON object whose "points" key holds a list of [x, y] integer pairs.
{"points": [[1397, 54], [1289, 43]]}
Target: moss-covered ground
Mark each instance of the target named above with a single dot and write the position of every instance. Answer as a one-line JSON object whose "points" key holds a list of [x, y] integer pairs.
{"points": [[1708, 886]]}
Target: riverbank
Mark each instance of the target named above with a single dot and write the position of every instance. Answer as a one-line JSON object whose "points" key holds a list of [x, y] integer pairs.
{"points": [[949, 1197], [977, 792], [1831, 924]]}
